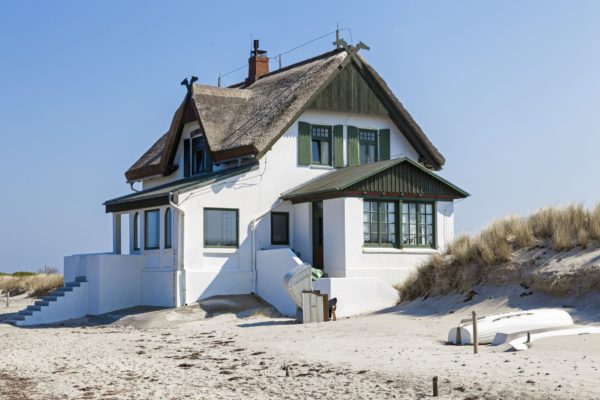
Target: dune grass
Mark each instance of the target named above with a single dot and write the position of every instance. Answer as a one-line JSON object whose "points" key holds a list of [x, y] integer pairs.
{"points": [[34, 284], [468, 258]]}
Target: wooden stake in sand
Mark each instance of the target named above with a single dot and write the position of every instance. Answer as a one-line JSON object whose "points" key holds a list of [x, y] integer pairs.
{"points": [[7, 296], [435, 386], [475, 338]]}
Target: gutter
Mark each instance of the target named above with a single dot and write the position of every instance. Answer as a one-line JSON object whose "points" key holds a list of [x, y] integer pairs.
{"points": [[178, 253]]}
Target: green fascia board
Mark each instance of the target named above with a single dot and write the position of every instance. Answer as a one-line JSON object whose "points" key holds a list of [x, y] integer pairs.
{"points": [[341, 179], [160, 195]]}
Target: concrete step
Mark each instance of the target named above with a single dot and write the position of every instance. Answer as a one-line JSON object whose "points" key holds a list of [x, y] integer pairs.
{"points": [[10, 321], [34, 307], [57, 293], [49, 298], [65, 289], [73, 284], [41, 303], [80, 279], [25, 312], [18, 318]]}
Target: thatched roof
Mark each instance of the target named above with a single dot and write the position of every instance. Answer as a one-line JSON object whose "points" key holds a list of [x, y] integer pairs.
{"points": [[247, 120]]}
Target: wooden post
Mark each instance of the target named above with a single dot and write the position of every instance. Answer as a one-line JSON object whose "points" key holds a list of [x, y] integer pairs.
{"points": [[475, 338], [7, 296], [528, 337], [435, 386]]}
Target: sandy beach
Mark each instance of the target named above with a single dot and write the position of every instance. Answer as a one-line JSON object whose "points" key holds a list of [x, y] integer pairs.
{"points": [[173, 354]]}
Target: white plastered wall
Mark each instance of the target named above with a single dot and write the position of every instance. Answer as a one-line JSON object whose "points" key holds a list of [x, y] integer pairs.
{"points": [[391, 264], [210, 271]]}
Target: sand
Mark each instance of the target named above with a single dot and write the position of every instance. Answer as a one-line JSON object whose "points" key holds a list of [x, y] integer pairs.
{"points": [[185, 353]]}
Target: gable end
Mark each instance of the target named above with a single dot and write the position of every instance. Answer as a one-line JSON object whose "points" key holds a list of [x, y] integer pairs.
{"points": [[349, 92]]}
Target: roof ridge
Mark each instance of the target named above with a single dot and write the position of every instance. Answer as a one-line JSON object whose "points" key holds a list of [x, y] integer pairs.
{"points": [[240, 85]]}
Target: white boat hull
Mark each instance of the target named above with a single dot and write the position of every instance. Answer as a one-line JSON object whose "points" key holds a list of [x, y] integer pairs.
{"points": [[519, 321], [522, 342]]}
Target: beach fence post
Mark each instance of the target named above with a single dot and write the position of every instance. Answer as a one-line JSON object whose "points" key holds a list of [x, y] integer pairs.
{"points": [[7, 297], [475, 338], [435, 386]]}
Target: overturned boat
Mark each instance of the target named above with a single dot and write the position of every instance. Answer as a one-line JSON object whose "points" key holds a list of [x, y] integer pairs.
{"points": [[524, 341], [519, 321]]}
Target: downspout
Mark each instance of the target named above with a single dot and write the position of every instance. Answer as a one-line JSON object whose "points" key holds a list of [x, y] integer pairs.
{"points": [[178, 253]]}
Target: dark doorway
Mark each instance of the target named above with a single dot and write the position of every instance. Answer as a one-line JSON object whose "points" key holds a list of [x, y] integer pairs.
{"points": [[317, 233]]}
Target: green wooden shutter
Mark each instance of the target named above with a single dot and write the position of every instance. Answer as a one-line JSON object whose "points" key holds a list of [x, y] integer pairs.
{"points": [[304, 153], [352, 146], [338, 146], [186, 157], [384, 144]]}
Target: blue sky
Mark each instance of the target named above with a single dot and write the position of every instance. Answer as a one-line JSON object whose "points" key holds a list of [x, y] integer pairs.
{"points": [[509, 91]]}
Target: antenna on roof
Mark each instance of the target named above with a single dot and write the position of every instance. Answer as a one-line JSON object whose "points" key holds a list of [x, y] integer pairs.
{"points": [[337, 35]]}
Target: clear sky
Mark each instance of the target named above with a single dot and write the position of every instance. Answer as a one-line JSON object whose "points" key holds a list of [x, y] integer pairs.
{"points": [[509, 91]]}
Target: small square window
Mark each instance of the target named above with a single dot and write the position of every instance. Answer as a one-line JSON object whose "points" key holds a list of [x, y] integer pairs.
{"points": [[280, 228]]}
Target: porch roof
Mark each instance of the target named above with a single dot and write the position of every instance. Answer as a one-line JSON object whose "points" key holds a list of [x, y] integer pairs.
{"points": [[400, 177], [159, 195]]}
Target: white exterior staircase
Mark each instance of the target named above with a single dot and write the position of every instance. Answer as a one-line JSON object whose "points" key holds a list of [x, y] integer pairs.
{"points": [[68, 302]]}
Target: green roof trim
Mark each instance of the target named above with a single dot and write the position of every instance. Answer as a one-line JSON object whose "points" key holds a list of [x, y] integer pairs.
{"points": [[400, 177], [159, 195]]}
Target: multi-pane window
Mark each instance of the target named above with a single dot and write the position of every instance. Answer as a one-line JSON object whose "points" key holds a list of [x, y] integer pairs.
{"points": [[220, 227], [382, 224], [321, 144], [151, 229], [417, 224], [379, 222], [200, 157], [367, 141], [168, 229], [280, 228]]}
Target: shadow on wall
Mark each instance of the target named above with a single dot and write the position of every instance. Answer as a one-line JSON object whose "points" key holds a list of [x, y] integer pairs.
{"points": [[231, 273]]}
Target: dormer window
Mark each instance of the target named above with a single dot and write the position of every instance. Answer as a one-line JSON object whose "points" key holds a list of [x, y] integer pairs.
{"points": [[196, 156], [200, 156]]}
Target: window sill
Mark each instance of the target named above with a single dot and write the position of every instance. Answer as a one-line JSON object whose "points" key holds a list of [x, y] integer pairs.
{"points": [[317, 166], [221, 250], [394, 250]]}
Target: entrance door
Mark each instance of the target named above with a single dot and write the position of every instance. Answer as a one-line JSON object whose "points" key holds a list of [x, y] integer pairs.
{"points": [[317, 234]]}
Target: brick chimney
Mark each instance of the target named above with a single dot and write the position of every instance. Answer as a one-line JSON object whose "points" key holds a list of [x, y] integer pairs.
{"points": [[258, 64]]}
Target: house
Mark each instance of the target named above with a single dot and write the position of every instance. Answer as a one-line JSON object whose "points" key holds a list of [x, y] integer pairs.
{"points": [[317, 162]]}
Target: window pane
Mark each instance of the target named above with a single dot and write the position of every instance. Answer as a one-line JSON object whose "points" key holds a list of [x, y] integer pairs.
{"points": [[363, 154], [220, 227], [325, 152], [152, 233], [372, 153], [316, 152], [429, 208], [136, 231], [279, 228], [168, 228]]}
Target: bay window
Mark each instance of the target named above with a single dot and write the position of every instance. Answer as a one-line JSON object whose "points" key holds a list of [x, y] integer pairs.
{"points": [[398, 223]]}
